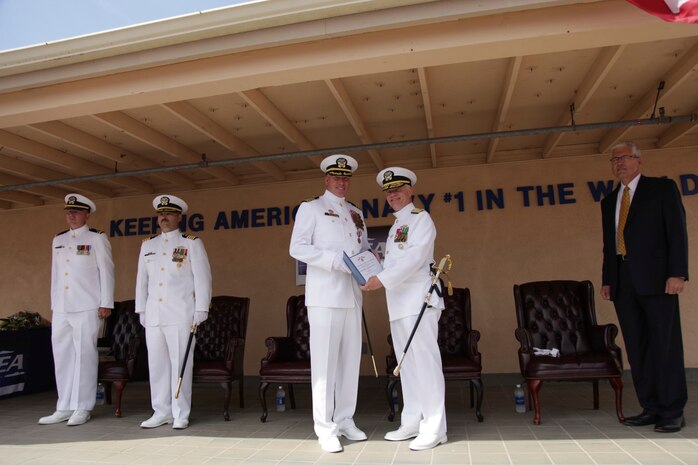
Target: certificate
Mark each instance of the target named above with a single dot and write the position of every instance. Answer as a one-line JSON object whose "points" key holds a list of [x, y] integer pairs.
{"points": [[363, 265]]}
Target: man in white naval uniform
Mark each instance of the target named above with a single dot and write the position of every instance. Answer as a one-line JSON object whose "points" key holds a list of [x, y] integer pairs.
{"points": [[409, 253], [325, 228], [82, 293], [173, 291]]}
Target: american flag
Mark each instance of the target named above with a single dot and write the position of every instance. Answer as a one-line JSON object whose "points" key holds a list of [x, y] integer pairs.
{"points": [[675, 11]]}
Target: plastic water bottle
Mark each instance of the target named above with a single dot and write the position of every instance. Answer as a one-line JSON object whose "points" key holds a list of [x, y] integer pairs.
{"points": [[99, 400], [281, 399], [520, 399], [395, 401]]}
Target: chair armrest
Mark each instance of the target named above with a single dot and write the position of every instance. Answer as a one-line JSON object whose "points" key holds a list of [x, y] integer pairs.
{"points": [[234, 354], [525, 340], [234, 344], [279, 349], [471, 338], [603, 338], [133, 347]]}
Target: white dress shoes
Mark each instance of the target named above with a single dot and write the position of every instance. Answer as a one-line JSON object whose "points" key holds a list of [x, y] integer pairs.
{"points": [[428, 441], [79, 417], [155, 421], [331, 444], [402, 433], [352, 433], [182, 423], [58, 416]]}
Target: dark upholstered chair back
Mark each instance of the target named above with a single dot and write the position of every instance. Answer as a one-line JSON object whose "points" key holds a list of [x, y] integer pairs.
{"points": [[288, 358], [220, 347], [298, 326], [126, 328], [558, 314], [561, 315], [454, 322], [126, 338], [227, 318]]}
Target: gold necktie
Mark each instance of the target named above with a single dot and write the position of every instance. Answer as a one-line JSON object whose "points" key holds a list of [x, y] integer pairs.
{"points": [[622, 218]]}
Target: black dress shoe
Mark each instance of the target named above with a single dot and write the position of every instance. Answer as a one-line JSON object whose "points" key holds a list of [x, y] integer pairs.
{"points": [[642, 419], [670, 425]]}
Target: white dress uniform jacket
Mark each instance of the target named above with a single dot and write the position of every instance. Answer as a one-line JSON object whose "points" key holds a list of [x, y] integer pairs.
{"points": [[173, 280], [82, 281], [409, 252], [324, 228], [82, 271], [406, 276]]}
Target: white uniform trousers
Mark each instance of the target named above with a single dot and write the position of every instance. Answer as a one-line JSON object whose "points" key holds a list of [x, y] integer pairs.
{"points": [[421, 375], [335, 358], [74, 341], [166, 347]]}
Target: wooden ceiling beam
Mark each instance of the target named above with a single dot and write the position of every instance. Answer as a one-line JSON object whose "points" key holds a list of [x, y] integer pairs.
{"points": [[199, 121], [683, 69], [428, 114], [279, 121], [76, 166], [342, 97], [101, 148], [504, 103], [675, 132], [603, 64], [46, 191], [39, 173], [160, 141]]}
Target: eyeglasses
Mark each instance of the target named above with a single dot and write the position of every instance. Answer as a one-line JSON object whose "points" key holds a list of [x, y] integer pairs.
{"points": [[621, 158]]}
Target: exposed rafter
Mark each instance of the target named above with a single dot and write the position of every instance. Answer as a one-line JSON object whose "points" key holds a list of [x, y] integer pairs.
{"points": [[122, 158], [504, 102], [158, 140], [273, 115], [678, 73], [675, 132], [344, 100], [46, 191], [21, 197], [64, 161], [190, 115], [39, 173], [426, 103], [598, 72]]}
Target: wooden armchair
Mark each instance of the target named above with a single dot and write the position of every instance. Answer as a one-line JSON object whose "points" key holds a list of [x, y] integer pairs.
{"points": [[460, 358], [561, 315], [220, 347], [288, 358], [125, 336]]}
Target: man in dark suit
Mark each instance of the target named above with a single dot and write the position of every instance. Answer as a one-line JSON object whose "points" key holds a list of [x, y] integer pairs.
{"points": [[645, 265]]}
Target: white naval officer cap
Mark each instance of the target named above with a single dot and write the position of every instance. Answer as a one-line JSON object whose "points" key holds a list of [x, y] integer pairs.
{"points": [[394, 177], [169, 203], [75, 201], [339, 165]]}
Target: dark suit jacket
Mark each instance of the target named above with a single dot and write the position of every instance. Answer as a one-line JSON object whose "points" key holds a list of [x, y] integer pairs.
{"points": [[656, 240]]}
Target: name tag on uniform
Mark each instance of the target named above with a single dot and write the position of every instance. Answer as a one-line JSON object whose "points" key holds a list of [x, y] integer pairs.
{"points": [[179, 254], [84, 249]]}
